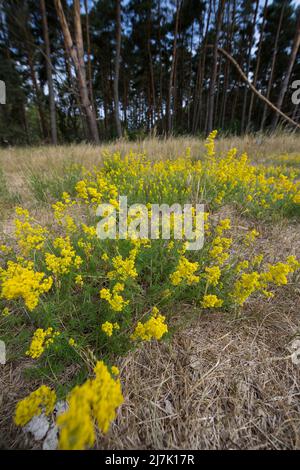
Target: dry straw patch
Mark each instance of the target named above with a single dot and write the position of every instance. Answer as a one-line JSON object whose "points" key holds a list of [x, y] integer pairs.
{"points": [[218, 385]]}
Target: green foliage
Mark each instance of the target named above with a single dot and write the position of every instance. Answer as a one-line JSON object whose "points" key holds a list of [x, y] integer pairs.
{"points": [[46, 188]]}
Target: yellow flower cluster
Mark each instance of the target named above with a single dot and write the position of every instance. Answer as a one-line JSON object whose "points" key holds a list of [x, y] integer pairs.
{"points": [[276, 274], [96, 188], [62, 264], [114, 298], [5, 249], [218, 252], [211, 301], [185, 272], [250, 237], [124, 268], [108, 328], [210, 144], [245, 286], [224, 224], [40, 341], [28, 237], [242, 266], [19, 281], [79, 280], [213, 275], [98, 399], [155, 327], [42, 399], [5, 312]]}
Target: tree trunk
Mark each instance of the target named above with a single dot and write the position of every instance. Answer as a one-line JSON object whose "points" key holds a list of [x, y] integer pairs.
{"points": [[76, 52], [286, 80], [211, 102], [270, 82], [151, 77], [257, 64], [248, 66], [227, 69], [117, 69], [88, 43], [49, 74], [38, 92], [172, 73]]}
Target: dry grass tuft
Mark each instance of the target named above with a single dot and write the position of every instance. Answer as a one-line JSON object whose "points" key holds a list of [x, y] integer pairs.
{"points": [[218, 385]]}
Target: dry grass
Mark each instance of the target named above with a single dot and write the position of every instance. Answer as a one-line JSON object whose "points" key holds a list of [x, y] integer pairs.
{"points": [[222, 382], [218, 385], [18, 160]]}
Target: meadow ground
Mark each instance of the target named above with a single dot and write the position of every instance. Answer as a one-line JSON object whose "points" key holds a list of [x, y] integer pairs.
{"points": [[223, 381]]}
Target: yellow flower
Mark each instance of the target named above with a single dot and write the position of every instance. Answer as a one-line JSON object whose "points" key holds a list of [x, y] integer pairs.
{"points": [[211, 301], [115, 371], [62, 264], [5, 249], [40, 341], [223, 225], [213, 274], [185, 272], [123, 268], [19, 281], [29, 237], [242, 265], [250, 237], [98, 399], [107, 328], [210, 143], [155, 327], [5, 312], [245, 286], [42, 399], [114, 299], [89, 231], [79, 280]]}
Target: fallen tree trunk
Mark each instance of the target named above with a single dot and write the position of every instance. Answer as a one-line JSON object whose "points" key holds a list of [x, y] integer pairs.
{"points": [[253, 89]]}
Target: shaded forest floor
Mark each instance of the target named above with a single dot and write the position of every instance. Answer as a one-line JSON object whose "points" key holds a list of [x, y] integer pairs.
{"points": [[220, 382]]}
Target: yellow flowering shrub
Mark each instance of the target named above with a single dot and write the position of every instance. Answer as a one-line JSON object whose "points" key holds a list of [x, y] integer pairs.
{"points": [[185, 272], [40, 341], [211, 301], [99, 294], [115, 300], [19, 281], [41, 400], [97, 399], [155, 327], [67, 257]]}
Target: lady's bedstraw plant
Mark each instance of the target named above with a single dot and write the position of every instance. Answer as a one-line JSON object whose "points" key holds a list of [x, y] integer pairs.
{"points": [[87, 301]]}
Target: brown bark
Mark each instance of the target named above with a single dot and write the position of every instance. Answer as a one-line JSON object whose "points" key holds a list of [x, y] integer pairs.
{"points": [[172, 73], [248, 66], [253, 89], [152, 84], [227, 70], [89, 62], [212, 91], [296, 45], [265, 10], [49, 74], [117, 68], [38, 93], [274, 57], [76, 52]]}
